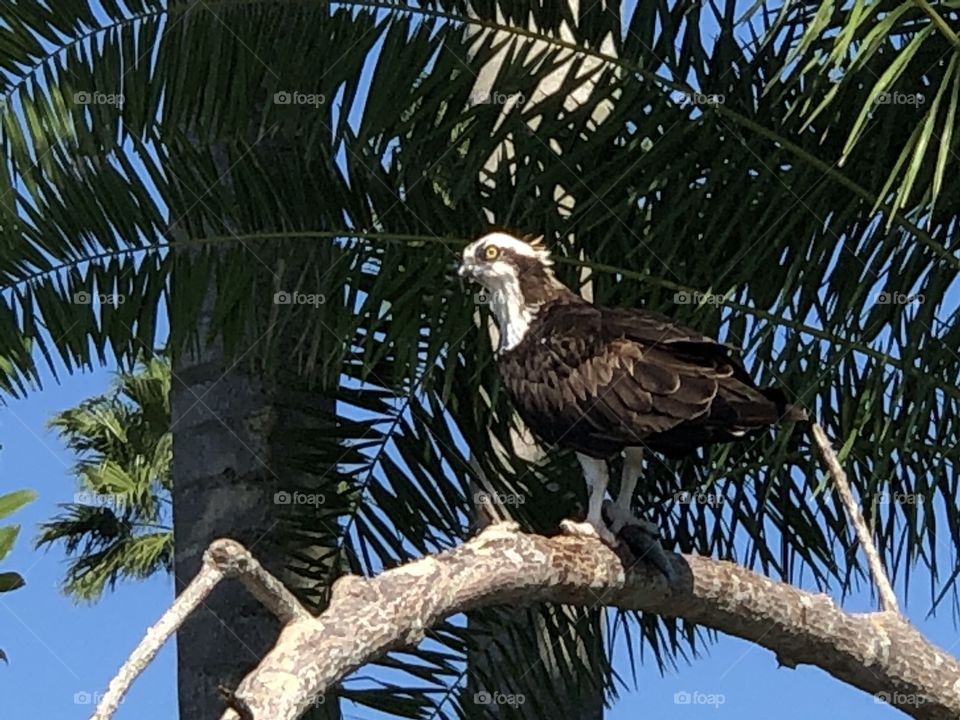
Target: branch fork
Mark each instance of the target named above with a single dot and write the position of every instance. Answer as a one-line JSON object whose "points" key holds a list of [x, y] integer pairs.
{"points": [[880, 653]]}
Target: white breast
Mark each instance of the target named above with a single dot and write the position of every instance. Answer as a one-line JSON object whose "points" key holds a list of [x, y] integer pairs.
{"points": [[513, 315]]}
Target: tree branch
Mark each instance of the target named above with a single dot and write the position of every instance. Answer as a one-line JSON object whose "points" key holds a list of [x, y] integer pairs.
{"points": [[879, 653], [224, 558], [888, 600]]}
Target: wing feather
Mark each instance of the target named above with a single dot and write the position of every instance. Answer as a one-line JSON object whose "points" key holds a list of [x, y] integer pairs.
{"points": [[598, 379]]}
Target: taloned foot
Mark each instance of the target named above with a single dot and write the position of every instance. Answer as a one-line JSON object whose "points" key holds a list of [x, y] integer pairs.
{"points": [[619, 517], [641, 536], [588, 529]]}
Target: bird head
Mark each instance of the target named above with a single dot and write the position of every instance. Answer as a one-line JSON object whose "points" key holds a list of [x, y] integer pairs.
{"points": [[518, 278], [504, 263]]}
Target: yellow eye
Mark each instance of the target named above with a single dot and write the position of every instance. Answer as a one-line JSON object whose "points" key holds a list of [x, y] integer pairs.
{"points": [[491, 252]]}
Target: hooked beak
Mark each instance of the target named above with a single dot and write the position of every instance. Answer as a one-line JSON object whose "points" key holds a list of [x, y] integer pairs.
{"points": [[466, 270]]}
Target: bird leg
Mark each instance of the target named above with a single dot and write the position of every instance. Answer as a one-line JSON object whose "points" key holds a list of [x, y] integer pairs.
{"points": [[596, 475], [641, 536], [620, 512]]}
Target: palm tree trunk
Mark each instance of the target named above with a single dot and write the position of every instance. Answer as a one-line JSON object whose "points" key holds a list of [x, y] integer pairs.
{"points": [[234, 473], [220, 489], [235, 419]]}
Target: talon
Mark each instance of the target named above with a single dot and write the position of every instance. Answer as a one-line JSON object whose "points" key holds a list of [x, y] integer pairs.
{"points": [[646, 546], [588, 529], [501, 527]]}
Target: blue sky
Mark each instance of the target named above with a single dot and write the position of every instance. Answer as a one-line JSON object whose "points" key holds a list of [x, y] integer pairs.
{"points": [[62, 654]]}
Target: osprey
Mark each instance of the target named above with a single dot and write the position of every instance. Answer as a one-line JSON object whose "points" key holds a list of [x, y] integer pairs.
{"points": [[604, 381]]}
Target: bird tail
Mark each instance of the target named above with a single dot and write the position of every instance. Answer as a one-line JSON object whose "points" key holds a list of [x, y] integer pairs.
{"points": [[786, 411]]}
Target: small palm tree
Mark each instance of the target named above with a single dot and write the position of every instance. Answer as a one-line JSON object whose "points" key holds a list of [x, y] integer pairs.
{"points": [[117, 527]]}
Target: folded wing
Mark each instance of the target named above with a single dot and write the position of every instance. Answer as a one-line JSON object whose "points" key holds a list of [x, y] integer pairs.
{"points": [[600, 379]]}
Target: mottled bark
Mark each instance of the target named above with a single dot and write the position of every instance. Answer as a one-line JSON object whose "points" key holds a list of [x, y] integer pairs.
{"points": [[879, 652], [223, 559], [221, 488]]}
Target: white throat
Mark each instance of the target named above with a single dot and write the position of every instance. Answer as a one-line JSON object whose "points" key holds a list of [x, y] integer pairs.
{"points": [[513, 315]]}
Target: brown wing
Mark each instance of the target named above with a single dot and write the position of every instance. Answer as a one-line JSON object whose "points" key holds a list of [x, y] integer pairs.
{"points": [[597, 380], [651, 328]]}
